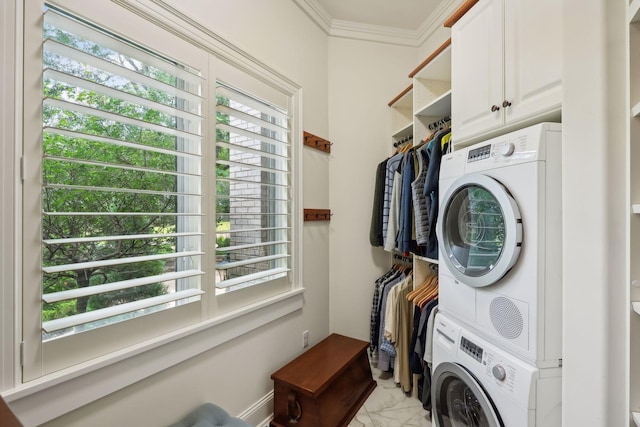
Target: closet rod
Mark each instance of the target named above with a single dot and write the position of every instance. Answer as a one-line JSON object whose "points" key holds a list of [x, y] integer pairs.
{"points": [[403, 141], [438, 123]]}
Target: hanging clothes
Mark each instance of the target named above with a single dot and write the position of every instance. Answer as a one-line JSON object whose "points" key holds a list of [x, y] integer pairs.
{"points": [[392, 166], [431, 192], [376, 237], [406, 224]]}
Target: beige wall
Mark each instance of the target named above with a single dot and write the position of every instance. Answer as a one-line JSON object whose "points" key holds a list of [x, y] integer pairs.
{"points": [[363, 78]]}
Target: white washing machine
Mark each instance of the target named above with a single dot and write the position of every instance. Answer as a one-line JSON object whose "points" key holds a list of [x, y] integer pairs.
{"points": [[477, 384], [500, 241]]}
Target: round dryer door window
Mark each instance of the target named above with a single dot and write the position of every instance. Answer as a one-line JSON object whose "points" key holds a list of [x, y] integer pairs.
{"points": [[460, 401], [479, 230]]}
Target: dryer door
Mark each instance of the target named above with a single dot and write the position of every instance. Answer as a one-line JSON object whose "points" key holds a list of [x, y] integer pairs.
{"points": [[479, 230], [459, 400]]}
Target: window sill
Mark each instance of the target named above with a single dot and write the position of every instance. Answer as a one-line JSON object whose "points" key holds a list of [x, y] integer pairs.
{"points": [[49, 397]]}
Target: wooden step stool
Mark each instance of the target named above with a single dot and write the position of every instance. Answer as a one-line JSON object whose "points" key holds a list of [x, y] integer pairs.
{"points": [[323, 387]]}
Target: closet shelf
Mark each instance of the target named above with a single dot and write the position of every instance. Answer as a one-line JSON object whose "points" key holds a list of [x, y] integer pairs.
{"points": [[635, 208], [635, 110], [437, 66], [439, 107], [636, 418], [404, 131], [636, 308], [633, 13]]}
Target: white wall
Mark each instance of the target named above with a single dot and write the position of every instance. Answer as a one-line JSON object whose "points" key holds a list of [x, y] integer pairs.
{"points": [[236, 375], [363, 78], [594, 214]]}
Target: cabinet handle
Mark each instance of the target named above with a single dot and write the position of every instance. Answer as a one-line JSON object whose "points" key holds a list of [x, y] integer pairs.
{"points": [[506, 104], [494, 108]]}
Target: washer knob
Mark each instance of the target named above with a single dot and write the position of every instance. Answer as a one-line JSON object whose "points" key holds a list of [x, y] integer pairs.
{"points": [[507, 149], [499, 373]]}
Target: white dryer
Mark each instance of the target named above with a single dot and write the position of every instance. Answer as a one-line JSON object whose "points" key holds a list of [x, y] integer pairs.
{"points": [[500, 241], [476, 384]]}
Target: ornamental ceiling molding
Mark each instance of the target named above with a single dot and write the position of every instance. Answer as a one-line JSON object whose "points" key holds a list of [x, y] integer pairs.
{"points": [[377, 33]]}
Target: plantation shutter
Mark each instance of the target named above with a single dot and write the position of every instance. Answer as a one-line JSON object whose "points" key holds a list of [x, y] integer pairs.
{"points": [[122, 184], [253, 190]]}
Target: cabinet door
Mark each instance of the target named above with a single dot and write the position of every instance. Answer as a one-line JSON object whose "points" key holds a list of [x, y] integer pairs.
{"points": [[476, 70], [533, 58]]}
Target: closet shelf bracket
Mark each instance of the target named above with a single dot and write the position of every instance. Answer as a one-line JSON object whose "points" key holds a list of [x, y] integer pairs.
{"points": [[317, 214], [310, 140]]}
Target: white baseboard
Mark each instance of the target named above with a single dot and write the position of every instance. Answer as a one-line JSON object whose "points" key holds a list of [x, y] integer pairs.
{"points": [[260, 413]]}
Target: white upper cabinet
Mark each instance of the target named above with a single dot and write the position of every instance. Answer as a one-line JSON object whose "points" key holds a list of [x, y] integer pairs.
{"points": [[506, 67]]}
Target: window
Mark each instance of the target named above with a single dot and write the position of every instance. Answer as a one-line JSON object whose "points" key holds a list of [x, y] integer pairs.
{"points": [[121, 193], [158, 189], [253, 190]]}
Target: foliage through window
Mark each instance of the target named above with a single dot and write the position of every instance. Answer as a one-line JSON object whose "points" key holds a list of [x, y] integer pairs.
{"points": [[122, 185], [125, 190]]}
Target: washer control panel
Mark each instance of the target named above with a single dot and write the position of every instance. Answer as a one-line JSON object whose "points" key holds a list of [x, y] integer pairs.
{"points": [[471, 349], [479, 153]]}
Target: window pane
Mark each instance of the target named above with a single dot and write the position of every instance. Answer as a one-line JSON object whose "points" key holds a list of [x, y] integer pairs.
{"points": [[253, 191], [121, 192]]}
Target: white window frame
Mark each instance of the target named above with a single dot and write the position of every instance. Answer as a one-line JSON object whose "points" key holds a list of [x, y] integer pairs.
{"points": [[55, 394]]}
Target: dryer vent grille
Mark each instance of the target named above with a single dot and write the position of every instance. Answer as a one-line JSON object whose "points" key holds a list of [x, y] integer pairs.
{"points": [[506, 317]]}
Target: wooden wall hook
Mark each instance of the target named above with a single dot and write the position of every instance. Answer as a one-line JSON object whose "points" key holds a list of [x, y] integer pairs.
{"points": [[313, 141]]}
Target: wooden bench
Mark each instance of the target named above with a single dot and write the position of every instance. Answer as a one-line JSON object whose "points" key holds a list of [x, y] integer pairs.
{"points": [[323, 387]]}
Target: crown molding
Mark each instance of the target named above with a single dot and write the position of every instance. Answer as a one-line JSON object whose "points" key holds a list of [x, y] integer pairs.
{"points": [[317, 13], [435, 19], [377, 33]]}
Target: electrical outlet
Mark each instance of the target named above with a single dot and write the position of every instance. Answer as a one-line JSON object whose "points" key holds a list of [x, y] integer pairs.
{"points": [[305, 339]]}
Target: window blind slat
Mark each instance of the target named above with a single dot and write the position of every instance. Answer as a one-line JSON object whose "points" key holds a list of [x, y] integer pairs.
{"points": [[249, 277], [117, 166], [118, 142], [117, 286], [243, 99], [253, 167], [105, 313], [57, 20], [232, 112], [83, 109], [72, 80], [253, 245], [251, 135], [251, 230], [118, 261], [252, 151], [117, 237], [228, 265], [260, 183], [120, 190], [58, 48]]}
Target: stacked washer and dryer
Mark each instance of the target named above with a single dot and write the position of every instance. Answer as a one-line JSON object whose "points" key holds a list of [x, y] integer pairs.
{"points": [[497, 341]]}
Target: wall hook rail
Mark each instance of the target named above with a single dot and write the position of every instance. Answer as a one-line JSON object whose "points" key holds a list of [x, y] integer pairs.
{"points": [[313, 141], [317, 214]]}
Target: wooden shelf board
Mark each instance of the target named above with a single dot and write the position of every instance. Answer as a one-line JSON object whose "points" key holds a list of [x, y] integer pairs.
{"points": [[402, 97], [459, 13], [439, 107], [431, 67], [635, 208]]}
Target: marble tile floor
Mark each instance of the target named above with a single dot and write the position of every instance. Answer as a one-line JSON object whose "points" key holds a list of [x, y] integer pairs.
{"points": [[389, 406]]}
